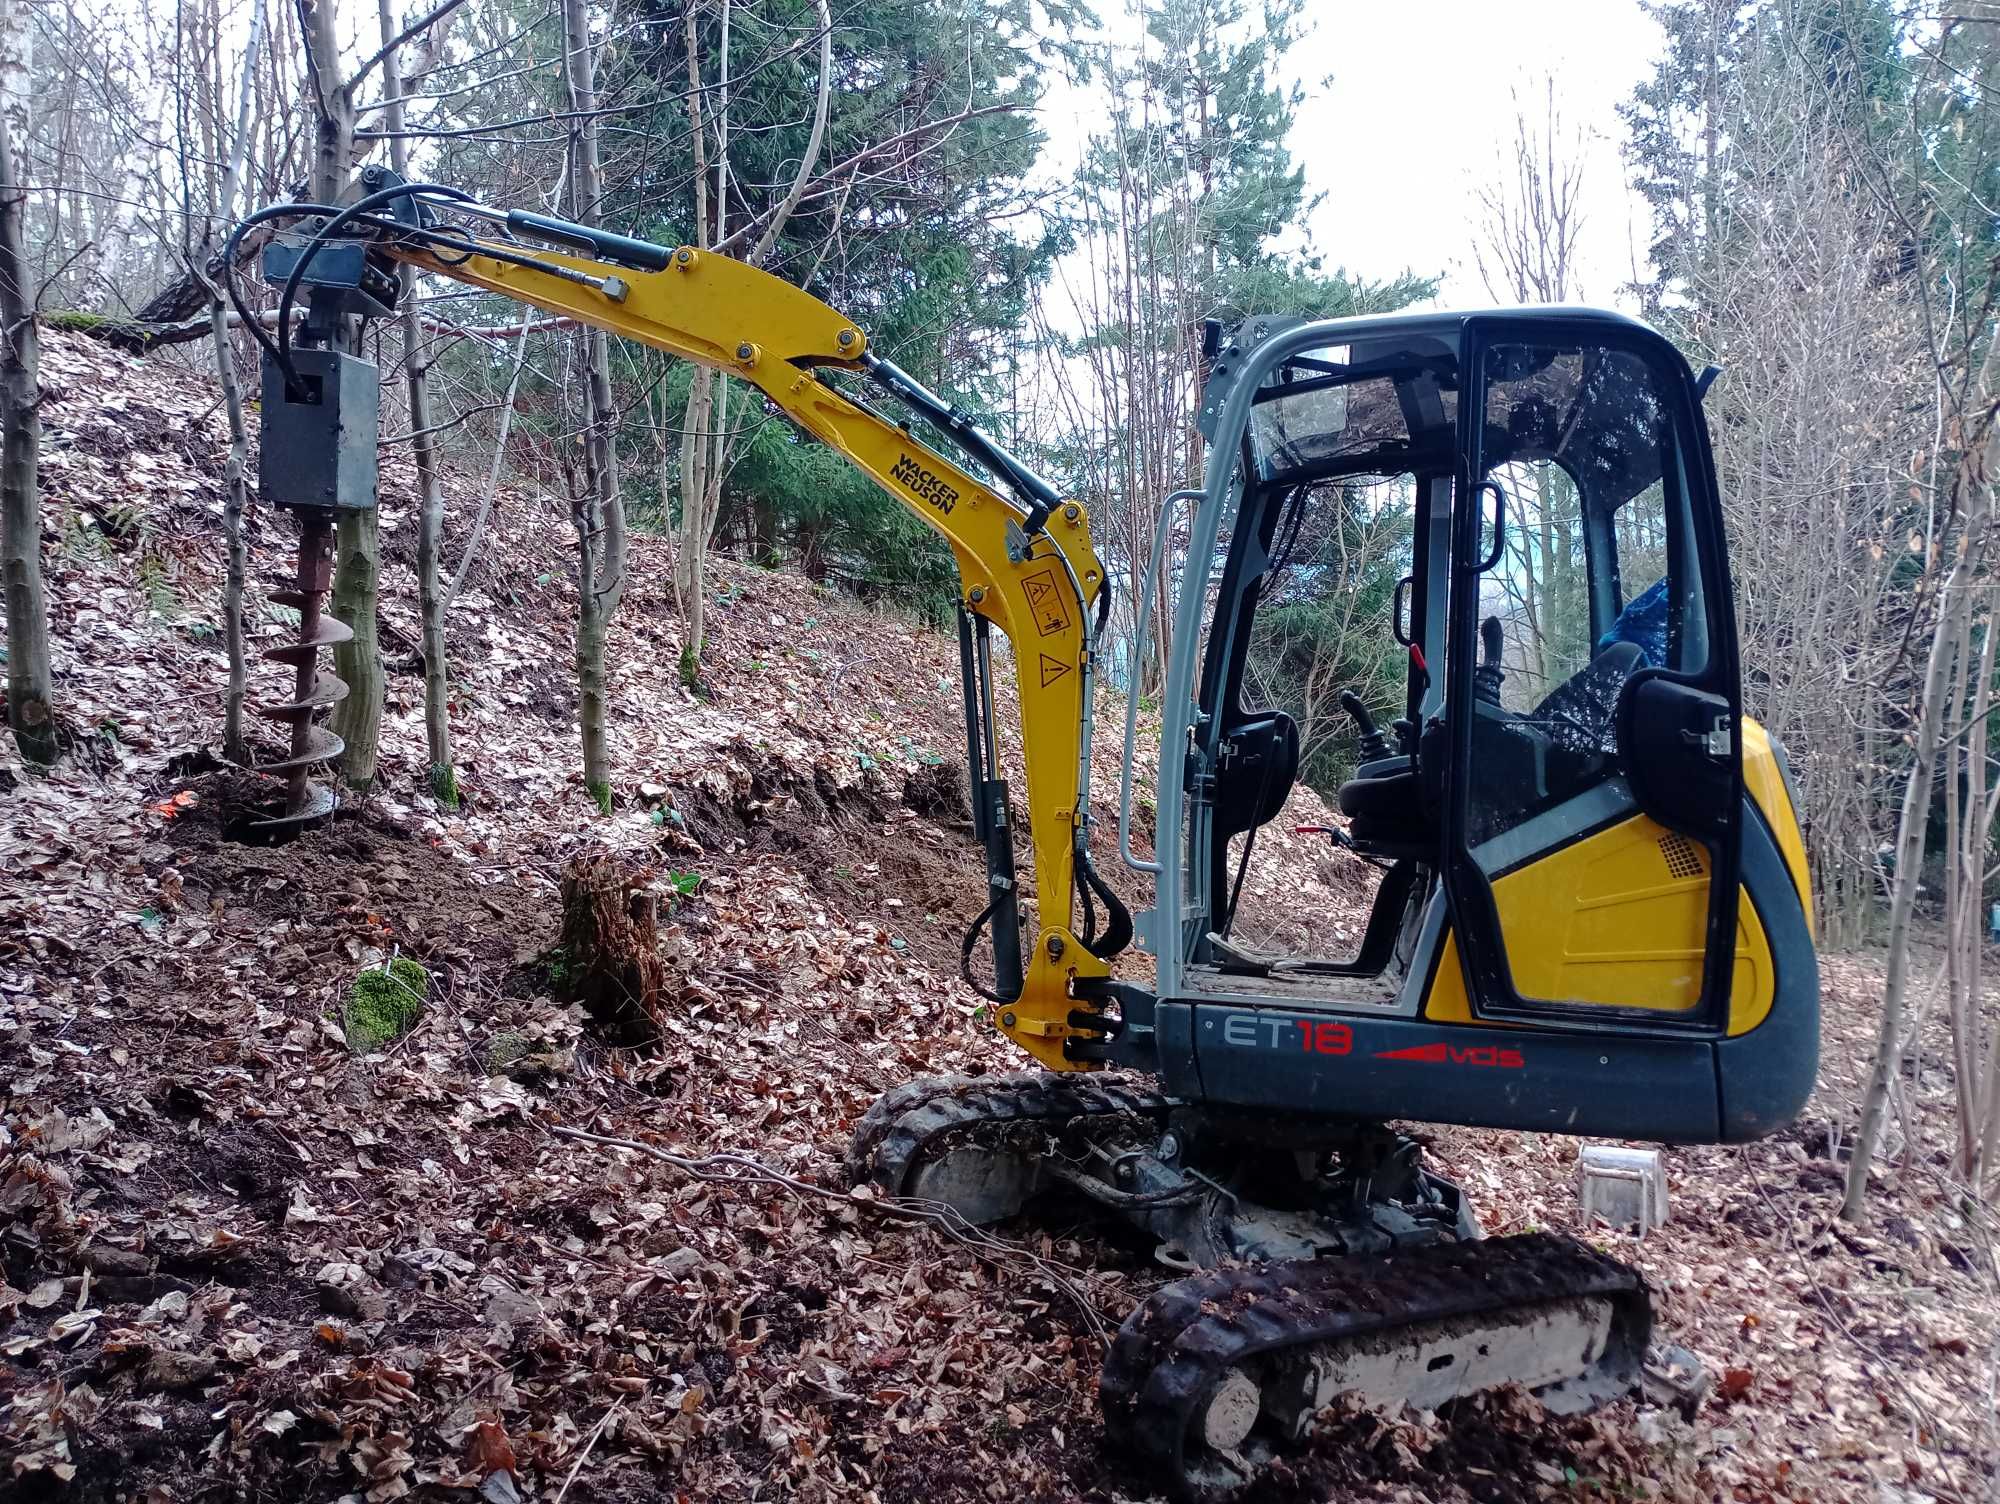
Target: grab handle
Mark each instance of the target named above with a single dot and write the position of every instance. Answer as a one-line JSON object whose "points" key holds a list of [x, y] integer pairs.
{"points": [[1141, 631]]}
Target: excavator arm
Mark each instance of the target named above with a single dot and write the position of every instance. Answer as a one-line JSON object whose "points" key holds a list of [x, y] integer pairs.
{"points": [[1026, 565]]}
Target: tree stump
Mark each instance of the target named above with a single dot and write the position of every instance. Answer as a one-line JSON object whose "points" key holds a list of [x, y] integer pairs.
{"points": [[610, 941]]}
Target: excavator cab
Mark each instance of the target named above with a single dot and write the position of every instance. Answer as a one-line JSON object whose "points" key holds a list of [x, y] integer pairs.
{"points": [[1591, 914]]}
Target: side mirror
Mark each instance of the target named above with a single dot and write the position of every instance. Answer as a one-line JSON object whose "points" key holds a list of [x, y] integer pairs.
{"points": [[1676, 747]]}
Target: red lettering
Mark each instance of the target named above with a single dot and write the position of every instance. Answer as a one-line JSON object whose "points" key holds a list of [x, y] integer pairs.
{"points": [[1485, 1054], [1326, 1038], [1439, 1052], [1333, 1039]]}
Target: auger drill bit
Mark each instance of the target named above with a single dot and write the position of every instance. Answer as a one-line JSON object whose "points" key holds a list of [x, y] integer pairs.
{"points": [[307, 801]]}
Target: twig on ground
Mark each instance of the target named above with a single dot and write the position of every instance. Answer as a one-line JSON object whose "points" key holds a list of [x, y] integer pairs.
{"points": [[584, 1455]]}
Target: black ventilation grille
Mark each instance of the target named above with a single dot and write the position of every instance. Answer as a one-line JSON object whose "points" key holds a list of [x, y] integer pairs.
{"points": [[1683, 857]]}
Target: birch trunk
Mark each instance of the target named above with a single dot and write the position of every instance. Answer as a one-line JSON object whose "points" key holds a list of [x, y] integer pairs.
{"points": [[108, 273], [430, 498], [30, 693]]}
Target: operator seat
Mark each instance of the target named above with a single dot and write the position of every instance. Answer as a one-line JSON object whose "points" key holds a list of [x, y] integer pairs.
{"points": [[1384, 804], [1577, 714], [1390, 803]]}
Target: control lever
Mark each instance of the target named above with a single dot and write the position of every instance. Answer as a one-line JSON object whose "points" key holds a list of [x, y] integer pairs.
{"points": [[1486, 678], [1339, 838], [1374, 744]]}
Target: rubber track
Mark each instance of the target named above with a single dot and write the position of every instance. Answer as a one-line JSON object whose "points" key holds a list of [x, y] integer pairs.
{"points": [[1173, 1350], [892, 1135]]}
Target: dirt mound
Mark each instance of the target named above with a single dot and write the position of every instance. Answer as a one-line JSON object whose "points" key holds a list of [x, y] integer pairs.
{"points": [[365, 881], [938, 791]]}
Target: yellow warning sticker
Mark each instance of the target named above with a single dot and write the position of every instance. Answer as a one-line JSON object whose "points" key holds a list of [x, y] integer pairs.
{"points": [[1045, 602], [1052, 670]]}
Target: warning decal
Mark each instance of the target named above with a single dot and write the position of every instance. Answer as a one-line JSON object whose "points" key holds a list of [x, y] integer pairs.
{"points": [[1052, 670], [1046, 603]]}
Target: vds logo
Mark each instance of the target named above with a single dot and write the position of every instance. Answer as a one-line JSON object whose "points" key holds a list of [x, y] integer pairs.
{"points": [[1494, 1057]]}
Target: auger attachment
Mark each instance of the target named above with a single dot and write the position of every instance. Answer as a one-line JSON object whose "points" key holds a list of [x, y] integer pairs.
{"points": [[320, 418], [307, 801]]}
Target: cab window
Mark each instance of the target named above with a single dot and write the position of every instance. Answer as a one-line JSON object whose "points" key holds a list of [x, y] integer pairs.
{"points": [[1597, 576]]}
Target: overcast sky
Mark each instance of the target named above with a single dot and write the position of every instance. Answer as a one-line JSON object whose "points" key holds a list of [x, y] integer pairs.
{"points": [[1409, 105]]}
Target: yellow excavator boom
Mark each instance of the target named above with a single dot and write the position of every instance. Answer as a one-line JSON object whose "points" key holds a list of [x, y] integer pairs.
{"points": [[1039, 590]]}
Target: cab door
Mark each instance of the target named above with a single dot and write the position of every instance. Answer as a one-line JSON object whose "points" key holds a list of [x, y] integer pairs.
{"points": [[1593, 778]]}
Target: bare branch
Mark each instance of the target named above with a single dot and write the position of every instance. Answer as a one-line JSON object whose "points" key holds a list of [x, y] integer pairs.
{"points": [[423, 23]]}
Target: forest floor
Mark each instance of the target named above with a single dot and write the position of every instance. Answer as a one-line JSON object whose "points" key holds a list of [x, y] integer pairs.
{"points": [[243, 1261]]}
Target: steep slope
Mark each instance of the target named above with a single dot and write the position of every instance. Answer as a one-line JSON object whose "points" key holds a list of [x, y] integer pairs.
{"points": [[241, 1260]]}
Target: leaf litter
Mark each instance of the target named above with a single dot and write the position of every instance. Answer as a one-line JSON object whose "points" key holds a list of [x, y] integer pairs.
{"points": [[240, 1260]]}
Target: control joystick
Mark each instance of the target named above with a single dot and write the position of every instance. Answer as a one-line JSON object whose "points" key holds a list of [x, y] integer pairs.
{"points": [[1374, 744]]}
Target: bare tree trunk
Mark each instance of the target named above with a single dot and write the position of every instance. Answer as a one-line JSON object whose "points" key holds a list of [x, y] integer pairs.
{"points": [[1954, 607], [430, 499], [705, 421], [1909, 859], [1989, 1133], [235, 502], [601, 518], [236, 472], [356, 720], [691, 558], [492, 473], [1974, 840], [114, 246], [30, 693], [692, 563], [357, 571]]}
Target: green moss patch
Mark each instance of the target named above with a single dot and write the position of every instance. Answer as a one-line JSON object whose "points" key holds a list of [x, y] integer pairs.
{"points": [[385, 1004], [505, 1049]]}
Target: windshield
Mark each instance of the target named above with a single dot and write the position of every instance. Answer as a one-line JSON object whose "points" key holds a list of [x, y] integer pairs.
{"points": [[1346, 408], [1599, 413]]}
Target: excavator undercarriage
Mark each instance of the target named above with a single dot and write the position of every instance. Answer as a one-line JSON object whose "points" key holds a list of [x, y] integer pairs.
{"points": [[1323, 1258]]}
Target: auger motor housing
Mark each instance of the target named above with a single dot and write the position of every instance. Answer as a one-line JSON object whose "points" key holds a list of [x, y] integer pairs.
{"points": [[322, 415], [319, 442]]}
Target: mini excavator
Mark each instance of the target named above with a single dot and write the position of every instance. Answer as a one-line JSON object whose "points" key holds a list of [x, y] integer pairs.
{"points": [[1592, 912]]}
